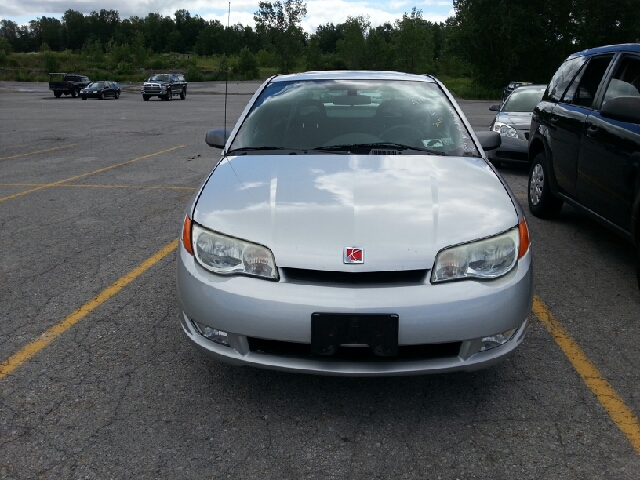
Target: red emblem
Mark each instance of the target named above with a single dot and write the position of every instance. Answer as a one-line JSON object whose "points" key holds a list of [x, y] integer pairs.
{"points": [[353, 255]]}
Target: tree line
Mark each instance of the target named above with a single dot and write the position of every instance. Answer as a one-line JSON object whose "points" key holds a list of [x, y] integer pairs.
{"points": [[493, 41]]}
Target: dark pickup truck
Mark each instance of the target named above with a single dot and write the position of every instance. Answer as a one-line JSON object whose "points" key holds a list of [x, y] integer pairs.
{"points": [[67, 83], [164, 86]]}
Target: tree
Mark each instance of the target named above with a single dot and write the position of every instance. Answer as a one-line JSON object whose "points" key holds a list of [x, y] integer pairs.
{"points": [[279, 25], [74, 29], [352, 47], [413, 43]]}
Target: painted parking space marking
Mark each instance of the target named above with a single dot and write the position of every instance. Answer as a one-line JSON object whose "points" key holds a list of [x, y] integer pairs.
{"points": [[86, 185], [39, 151], [26, 353], [619, 412], [82, 175]]}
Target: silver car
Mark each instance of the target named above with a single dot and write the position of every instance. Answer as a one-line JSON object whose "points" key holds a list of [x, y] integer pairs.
{"points": [[353, 226]]}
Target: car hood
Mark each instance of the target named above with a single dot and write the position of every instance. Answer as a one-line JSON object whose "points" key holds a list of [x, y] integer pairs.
{"points": [[400, 209], [519, 120]]}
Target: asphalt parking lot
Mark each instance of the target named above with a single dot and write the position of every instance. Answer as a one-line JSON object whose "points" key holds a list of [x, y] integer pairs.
{"points": [[98, 381]]}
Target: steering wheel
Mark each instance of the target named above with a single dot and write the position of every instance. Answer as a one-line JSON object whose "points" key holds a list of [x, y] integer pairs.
{"points": [[405, 134]]}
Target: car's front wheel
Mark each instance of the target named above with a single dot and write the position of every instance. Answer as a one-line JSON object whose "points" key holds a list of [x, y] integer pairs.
{"points": [[638, 252], [84, 98], [169, 95], [146, 97], [542, 203], [75, 92], [117, 95], [183, 93], [57, 94], [101, 96]]}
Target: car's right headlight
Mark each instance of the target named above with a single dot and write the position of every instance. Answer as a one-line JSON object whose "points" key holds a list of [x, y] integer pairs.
{"points": [[488, 258], [226, 255], [505, 130]]}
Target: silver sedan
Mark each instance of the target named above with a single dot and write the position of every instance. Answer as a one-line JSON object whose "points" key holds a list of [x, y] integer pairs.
{"points": [[353, 226]]}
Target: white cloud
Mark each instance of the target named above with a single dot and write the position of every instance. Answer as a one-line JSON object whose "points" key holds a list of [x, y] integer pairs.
{"points": [[319, 12]]}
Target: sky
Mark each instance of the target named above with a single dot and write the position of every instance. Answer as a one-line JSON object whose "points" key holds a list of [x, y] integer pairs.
{"points": [[319, 12]]}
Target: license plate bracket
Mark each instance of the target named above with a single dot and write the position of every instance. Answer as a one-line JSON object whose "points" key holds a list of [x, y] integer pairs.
{"points": [[330, 330]]}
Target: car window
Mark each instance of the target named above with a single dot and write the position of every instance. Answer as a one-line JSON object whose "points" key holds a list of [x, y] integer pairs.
{"points": [[523, 100], [625, 81], [583, 91], [563, 77], [315, 114], [162, 77]]}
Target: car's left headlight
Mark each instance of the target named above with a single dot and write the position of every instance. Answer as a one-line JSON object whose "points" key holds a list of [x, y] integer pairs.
{"points": [[483, 259], [226, 255], [505, 130]]}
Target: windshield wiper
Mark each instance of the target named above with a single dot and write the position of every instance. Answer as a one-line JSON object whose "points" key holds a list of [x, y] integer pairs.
{"points": [[377, 145], [250, 149]]}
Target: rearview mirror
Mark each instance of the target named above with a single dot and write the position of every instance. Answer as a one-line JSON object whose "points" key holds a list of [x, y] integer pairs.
{"points": [[495, 107], [489, 140], [623, 109], [217, 138]]}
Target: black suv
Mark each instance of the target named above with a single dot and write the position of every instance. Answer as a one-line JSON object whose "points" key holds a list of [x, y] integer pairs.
{"points": [[584, 141], [165, 86]]}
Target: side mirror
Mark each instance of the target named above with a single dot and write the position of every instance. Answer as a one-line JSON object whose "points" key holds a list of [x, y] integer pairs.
{"points": [[217, 138], [623, 109], [489, 140], [495, 107]]}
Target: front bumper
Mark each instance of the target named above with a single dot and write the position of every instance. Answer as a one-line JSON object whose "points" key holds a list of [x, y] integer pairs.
{"points": [[250, 308], [511, 149]]}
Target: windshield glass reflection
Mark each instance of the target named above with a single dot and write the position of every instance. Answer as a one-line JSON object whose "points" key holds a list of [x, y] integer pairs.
{"points": [[307, 115]]}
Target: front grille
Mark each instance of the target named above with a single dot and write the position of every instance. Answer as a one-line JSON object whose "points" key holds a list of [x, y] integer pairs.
{"points": [[365, 354], [354, 278]]}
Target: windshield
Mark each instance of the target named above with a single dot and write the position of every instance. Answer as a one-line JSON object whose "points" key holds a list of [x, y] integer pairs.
{"points": [[328, 114], [523, 100], [96, 85], [160, 78]]}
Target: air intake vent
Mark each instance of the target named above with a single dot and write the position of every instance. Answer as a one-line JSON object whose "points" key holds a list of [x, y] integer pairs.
{"points": [[299, 275], [377, 151]]}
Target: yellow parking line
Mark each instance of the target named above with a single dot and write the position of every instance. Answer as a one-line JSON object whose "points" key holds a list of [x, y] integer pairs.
{"points": [[39, 151], [26, 353], [142, 187], [76, 177], [608, 397]]}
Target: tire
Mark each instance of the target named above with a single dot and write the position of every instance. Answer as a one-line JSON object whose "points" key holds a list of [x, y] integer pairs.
{"points": [[169, 96], [101, 96], [146, 97], [638, 262], [638, 252], [84, 98], [542, 203], [75, 92], [183, 93], [117, 95], [57, 94]]}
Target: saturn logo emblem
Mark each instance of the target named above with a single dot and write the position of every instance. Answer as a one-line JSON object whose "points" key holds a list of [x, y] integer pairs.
{"points": [[353, 255]]}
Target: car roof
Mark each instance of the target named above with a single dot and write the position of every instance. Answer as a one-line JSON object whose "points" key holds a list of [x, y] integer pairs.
{"points": [[624, 47], [353, 75], [537, 86]]}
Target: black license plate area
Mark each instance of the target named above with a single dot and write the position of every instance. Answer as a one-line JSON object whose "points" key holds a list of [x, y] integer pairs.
{"points": [[330, 330]]}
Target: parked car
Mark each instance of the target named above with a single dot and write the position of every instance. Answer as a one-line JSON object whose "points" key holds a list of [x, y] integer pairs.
{"points": [[506, 91], [341, 235], [67, 84], [512, 122], [101, 90], [164, 86], [584, 145]]}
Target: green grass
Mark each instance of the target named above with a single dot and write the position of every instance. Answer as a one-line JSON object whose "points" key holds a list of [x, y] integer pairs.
{"points": [[467, 89], [24, 67]]}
